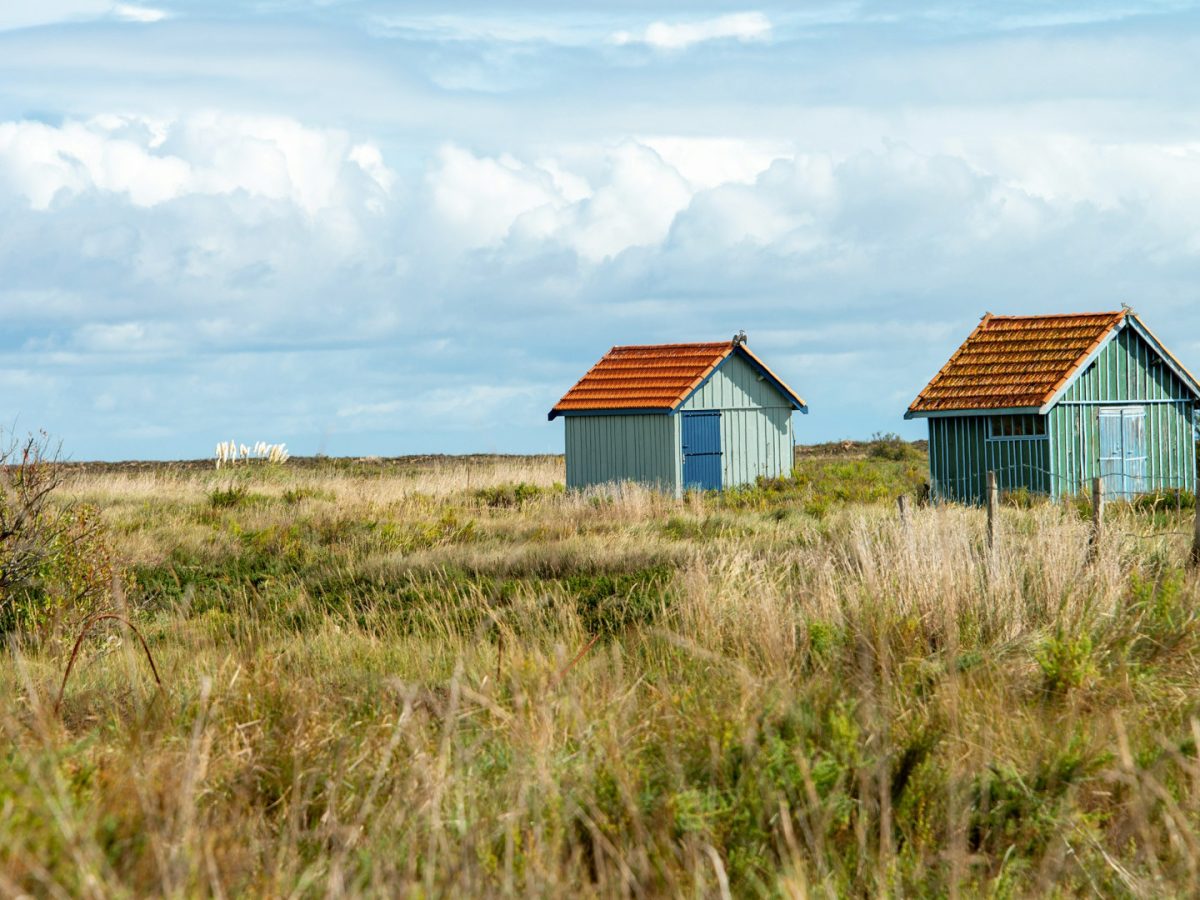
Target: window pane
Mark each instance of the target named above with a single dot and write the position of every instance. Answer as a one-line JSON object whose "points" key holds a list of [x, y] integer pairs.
{"points": [[1017, 426]]}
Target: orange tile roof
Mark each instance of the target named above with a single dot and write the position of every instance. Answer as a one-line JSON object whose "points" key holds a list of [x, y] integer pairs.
{"points": [[653, 377], [1015, 362]]}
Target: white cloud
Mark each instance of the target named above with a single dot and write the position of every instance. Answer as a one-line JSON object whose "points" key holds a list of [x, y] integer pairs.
{"points": [[630, 200], [40, 160], [790, 243], [482, 29], [152, 161], [733, 214], [130, 13], [31, 13], [1110, 176], [28, 13], [127, 338], [481, 197], [635, 207], [369, 158], [707, 162], [744, 26]]}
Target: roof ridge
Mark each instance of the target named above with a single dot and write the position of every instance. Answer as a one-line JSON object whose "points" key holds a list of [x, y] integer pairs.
{"points": [[705, 344], [1071, 315]]}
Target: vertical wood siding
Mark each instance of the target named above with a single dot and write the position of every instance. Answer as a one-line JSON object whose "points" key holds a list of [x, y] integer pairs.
{"points": [[1128, 372], [756, 422], [961, 455], [641, 448]]}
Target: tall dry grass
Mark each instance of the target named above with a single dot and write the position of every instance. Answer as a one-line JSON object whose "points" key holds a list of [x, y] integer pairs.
{"points": [[369, 689]]}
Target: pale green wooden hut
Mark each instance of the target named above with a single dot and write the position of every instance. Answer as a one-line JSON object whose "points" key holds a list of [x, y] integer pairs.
{"points": [[679, 417], [1050, 403]]}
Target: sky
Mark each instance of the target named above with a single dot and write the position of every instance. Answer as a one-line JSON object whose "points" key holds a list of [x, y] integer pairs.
{"points": [[381, 228]]}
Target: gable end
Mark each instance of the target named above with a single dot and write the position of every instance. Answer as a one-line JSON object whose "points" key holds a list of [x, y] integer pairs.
{"points": [[1131, 366], [741, 381]]}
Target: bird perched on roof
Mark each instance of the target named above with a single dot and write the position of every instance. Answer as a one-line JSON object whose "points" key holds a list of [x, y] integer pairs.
{"points": [[739, 338]]}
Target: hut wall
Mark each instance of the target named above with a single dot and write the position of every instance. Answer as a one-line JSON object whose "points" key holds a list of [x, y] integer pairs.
{"points": [[963, 449], [1127, 372], [756, 422], [641, 448]]}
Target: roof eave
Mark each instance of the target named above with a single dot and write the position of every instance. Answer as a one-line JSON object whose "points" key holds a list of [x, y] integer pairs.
{"points": [[612, 411], [976, 411]]}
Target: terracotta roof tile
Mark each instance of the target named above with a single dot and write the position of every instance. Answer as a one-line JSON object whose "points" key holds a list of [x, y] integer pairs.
{"points": [[656, 376], [1015, 361], [653, 376]]}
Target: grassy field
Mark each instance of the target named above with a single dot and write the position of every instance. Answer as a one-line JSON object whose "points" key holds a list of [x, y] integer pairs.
{"points": [[448, 678]]}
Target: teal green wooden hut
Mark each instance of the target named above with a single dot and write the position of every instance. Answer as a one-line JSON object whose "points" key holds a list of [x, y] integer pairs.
{"points": [[678, 417], [1050, 403]]}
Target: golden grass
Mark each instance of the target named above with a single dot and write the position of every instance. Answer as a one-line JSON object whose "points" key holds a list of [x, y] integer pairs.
{"points": [[365, 694]]}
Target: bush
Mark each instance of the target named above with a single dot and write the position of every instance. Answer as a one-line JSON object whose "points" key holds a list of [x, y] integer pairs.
{"points": [[1066, 662], [54, 562], [292, 496], [1021, 498], [512, 496], [891, 446], [228, 498], [1165, 499]]}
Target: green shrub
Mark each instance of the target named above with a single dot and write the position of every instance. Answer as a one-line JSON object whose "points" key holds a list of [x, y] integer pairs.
{"points": [[292, 496], [1021, 498], [609, 603], [1161, 614], [446, 529], [1165, 500], [228, 498], [55, 564], [892, 447], [681, 528], [1065, 662], [513, 496]]}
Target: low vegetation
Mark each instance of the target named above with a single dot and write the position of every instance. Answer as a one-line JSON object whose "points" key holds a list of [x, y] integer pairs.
{"points": [[55, 566], [448, 679]]}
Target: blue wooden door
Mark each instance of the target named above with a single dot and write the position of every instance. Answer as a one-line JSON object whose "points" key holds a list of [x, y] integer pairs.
{"points": [[702, 451], [1123, 450]]}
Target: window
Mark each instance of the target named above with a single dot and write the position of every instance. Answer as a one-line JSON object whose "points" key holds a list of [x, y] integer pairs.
{"points": [[1015, 428]]}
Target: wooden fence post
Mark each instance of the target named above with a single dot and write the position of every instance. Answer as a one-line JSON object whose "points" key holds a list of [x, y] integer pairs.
{"points": [[902, 504], [1195, 560], [1097, 518], [993, 510]]}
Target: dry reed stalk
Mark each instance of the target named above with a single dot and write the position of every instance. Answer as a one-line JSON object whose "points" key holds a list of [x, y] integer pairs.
{"points": [[578, 656], [87, 626]]}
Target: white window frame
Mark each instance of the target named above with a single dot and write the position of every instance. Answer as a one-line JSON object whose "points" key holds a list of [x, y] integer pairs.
{"points": [[1009, 439]]}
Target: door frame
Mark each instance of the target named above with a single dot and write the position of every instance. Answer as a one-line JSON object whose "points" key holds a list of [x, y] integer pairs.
{"points": [[1123, 488], [719, 454]]}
